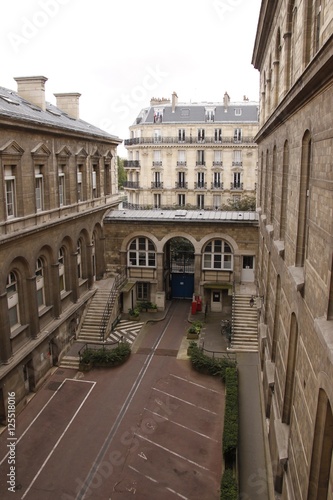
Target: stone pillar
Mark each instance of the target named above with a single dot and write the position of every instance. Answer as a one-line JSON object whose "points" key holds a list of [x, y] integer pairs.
{"points": [[197, 272], [55, 290], [159, 271], [74, 277], [99, 258], [90, 272], [32, 306], [5, 347]]}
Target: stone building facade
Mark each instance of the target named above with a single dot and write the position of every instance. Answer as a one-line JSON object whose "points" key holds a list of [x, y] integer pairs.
{"points": [[224, 249], [294, 53], [192, 155], [58, 178]]}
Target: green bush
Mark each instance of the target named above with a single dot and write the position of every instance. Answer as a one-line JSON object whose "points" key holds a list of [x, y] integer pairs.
{"points": [[206, 364], [229, 487], [230, 432], [107, 357]]}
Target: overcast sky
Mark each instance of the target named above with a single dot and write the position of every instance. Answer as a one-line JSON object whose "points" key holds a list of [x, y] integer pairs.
{"points": [[119, 54]]}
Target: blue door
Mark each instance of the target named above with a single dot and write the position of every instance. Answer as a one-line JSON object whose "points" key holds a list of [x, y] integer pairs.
{"points": [[182, 285]]}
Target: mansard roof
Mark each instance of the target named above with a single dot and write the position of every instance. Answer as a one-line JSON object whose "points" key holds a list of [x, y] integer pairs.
{"points": [[234, 112], [14, 107]]}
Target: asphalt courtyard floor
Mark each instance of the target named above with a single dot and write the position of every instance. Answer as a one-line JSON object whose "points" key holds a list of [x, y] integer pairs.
{"points": [[149, 429]]}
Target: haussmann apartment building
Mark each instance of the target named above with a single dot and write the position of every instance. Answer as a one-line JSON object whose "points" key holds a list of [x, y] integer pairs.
{"points": [[192, 155]]}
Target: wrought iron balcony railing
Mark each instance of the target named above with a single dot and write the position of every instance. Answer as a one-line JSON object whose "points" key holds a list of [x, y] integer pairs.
{"points": [[187, 140], [131, 184], [157, 185], [200, 185], [236, 186], [181, 185], [132, 164], [217, 185]]}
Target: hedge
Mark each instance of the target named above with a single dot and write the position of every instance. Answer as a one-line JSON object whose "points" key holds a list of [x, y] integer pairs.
{"points": [[229, 487], [107, 357], [208, 365], [230, 433]]}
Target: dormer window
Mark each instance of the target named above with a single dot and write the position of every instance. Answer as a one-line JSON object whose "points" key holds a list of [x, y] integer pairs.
{"points": [[158, 115], [238, 112], [209, 115]]}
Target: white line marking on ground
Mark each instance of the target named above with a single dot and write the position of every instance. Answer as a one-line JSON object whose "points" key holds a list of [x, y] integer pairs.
{"points": [[172, 452], [141, 474], [46, 404], [194, 383], [178, 494], [184, 401], [58, 441], [180, 425]]}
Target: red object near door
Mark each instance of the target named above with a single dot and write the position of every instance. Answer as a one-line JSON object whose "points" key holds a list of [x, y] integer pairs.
{"points": [[199, 304], [194, 306]]}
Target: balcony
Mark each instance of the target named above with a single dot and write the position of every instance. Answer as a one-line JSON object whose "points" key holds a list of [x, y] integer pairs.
{"points": [[187, 140], [181, 185], [157, 164], [217, 163], [157, 185], [217, 185], [131, 185], [181, 163], [237, 163], [236, 186], [132, 164], [200, 163], [200, 185]]}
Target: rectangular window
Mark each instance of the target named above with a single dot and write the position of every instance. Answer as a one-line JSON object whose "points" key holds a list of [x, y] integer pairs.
{"points": [[181, 200], [238, 112], [238, 135], [94, 183], [61, 189], [201, 201], [216, 201], [39, 193], [201, 179], [79, 184], [142, 291], [217, 159], [10, 196], [200, 157], [157, 200], [201, 135], [181, 135], [218, 135], [157, 135]]}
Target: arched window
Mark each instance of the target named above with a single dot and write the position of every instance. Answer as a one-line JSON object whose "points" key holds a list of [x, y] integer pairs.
{"points": [[142, 253], [40, 285], [62, 279], [79, 259], [13, 300], [218, 254]]}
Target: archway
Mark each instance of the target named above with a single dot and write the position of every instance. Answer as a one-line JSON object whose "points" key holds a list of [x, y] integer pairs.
{"points": [[179, 261]]}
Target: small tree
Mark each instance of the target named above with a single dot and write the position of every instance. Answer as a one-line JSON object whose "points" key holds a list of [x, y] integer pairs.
{"points": [[121, 172], [246, 203]]}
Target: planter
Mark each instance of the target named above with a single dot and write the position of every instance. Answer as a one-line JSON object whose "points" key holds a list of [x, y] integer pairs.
{"points": [[152, 310], [133, 318], [85, 367], [192, 336]]}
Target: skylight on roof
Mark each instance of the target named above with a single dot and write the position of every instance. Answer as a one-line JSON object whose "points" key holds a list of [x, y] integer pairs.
{"points": [[8, 99]]}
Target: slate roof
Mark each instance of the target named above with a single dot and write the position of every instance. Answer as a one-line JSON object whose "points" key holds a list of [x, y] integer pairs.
{"points": [[196, 113], [185, 216], [15, 107]]}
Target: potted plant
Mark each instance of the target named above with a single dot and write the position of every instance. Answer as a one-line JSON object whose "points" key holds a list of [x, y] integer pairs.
{"points": [[134, 314], [194, 330]]}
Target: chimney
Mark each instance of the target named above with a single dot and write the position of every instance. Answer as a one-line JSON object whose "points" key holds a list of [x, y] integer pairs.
{"points": [[69, 103], [32, 89], [226, 100], [174, 101]]}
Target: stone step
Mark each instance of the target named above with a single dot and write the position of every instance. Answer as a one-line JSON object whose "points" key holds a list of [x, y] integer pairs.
{"points": [[70, 362]]}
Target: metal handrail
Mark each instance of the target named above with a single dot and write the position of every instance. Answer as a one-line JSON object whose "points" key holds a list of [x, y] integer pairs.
{"points": [[119, 280], [88, 345]]}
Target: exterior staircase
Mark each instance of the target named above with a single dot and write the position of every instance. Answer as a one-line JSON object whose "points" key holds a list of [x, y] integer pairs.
{"points": [[70, 362], [245, 325], [90, 329]]}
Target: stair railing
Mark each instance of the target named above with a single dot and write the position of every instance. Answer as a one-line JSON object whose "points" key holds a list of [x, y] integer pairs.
{"points": [[118, 282]]}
